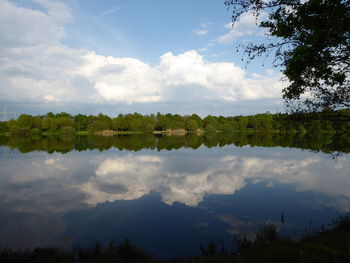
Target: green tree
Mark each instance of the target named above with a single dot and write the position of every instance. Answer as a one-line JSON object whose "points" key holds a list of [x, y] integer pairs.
{"points": [[53, 124], [64, 122], [161, 122], [98, 125], [45, 123], [3, 127], [25, 120], [81, 122], [191, 125], [311, 43], [14, 130]]}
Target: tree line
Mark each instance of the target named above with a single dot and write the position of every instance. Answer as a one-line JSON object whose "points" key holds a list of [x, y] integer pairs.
{"points": [[65, 123]]}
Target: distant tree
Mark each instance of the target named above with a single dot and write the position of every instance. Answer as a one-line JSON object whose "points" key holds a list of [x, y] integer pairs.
{"points": [[25, 120], [98, 125], [64, 122], [3, 127], [241, 122], [81, 122], [50, 115], [107, 119], [14, 130], [11, 123], [197, 119], [227, 128], [212, 121], [63, 115], [53, 124], [174, 121], [161, 122], [191, 125], [311, 42], [148, 127]]}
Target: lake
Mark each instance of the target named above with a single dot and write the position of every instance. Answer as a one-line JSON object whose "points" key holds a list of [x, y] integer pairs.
{"points": [[168, 194]]}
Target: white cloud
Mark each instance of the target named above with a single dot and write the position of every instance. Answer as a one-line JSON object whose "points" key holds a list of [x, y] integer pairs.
{"points": [[200, 32], [184, 77], [122, 79], [57, 11], [108, 12], [203, 29], [245, 26], [25, 27], [35, 67]]}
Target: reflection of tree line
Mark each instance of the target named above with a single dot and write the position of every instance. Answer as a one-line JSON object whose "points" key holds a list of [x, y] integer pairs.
{"points": [[325, 142]]}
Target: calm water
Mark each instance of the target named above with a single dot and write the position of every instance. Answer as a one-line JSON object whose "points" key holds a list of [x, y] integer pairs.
{"points": [[167, 202]]}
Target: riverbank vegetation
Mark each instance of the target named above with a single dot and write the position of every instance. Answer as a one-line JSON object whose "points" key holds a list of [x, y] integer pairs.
{"points": [[174, 124], [263, 245]]}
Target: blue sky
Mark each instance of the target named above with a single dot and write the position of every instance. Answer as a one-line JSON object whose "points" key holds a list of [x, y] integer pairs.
{"points": [[124, 56]]}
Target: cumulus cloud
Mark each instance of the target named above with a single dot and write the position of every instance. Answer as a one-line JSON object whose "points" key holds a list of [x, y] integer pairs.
{"points": [[26, 27], [122, 79], [182, 77], [35, 67]]}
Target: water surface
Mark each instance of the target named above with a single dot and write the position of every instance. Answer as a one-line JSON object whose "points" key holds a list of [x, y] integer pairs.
{"points": [[167, 202]]}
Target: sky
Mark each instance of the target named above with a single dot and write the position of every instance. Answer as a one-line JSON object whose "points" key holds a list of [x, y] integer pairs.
{"points": [[122, 56]]}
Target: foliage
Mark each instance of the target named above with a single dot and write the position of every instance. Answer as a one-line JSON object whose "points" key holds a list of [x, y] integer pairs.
{"points": [[3, 127], [98, 125], [321, 122], [191, 125], [311, 42], [14, 129]]}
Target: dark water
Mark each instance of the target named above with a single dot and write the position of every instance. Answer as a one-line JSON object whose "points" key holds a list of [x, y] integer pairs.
{"points": [[167, 202]]}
